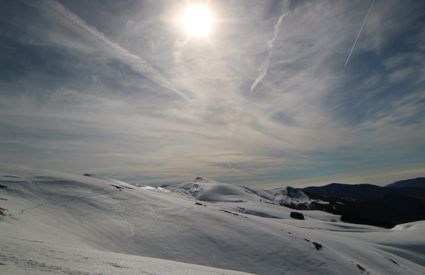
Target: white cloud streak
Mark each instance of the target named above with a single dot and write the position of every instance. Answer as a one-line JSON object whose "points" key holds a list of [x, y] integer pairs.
{"points": [[134, 60], [359, 33], [263, 69]]}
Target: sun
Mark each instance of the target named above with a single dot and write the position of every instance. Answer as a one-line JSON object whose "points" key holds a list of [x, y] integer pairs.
{"points": [[197, 20]]}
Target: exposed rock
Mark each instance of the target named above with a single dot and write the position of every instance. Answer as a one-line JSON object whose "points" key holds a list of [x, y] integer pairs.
{"points": [[297, 216]]}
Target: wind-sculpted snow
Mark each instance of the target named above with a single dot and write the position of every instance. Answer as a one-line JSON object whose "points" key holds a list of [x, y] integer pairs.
{"points": [[86, 225]]}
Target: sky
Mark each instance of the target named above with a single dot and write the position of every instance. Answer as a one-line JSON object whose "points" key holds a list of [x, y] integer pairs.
{"points": [[279, 93]]}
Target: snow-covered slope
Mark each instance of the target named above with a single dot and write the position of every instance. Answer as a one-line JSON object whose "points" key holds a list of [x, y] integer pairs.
{"points": [[21, 256], [90, 225]]}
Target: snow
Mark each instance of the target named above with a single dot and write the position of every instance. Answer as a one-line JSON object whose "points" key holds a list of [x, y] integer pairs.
{"points": [[19, 256], [72, 224], [212, 191], [288, 195], [209, 190]]}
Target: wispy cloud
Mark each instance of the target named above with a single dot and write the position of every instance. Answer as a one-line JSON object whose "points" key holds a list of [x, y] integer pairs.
{"points": [[270, 46], [81, 91], [359, 33], [134, 60]]}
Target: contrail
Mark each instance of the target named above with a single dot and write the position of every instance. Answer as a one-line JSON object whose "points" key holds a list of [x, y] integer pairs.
{"points": [[359, 33], [137, 62], [270, 45]]}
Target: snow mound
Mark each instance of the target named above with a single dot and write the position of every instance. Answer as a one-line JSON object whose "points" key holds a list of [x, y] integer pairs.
{"points": [[414, 226], [211, 191]]}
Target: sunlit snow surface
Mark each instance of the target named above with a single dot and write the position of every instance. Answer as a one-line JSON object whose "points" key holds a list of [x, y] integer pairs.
{"points": [[64, 224]]}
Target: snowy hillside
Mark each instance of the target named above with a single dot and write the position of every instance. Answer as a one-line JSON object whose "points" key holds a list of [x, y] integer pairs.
{"points": [[51, 222]]}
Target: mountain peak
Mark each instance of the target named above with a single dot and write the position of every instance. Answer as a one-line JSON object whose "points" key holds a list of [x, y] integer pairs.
{"points": [[203, 180]]}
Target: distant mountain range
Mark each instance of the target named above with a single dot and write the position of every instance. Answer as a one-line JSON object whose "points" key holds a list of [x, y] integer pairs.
{"points": [[414, 183], [399, 202]]}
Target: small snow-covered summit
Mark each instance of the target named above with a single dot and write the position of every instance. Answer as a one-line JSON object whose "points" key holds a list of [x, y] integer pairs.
{"points": [[205, 189], [204, 180], [290, 196]]}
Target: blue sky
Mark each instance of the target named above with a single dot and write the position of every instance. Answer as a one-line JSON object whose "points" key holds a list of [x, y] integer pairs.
{"points": [[272, 97]]}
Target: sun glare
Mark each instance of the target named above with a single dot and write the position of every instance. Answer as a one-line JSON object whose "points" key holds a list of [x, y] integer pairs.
{"points": [[197, 20]]}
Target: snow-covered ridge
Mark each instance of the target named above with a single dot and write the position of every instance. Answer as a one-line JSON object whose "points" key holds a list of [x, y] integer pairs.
{"points": [[208, 190], [57, 223]]}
